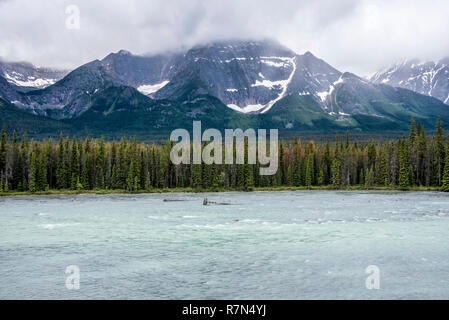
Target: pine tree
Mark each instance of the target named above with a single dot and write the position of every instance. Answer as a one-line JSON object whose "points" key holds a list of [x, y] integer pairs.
{"points": [[85, 173], [445, 182], [439, 153], [131, 177], [114, 178], [384, 176], [336, 181], [320, 180], [3, 147], [5, 185], [369, 177], [248, 177], [309, 171], [362, 177], [215, 176], [404, 178], [282, 168], [327, 163], [148, 185], [74, 166], [33, 172], [412, 135], [42, 183], [196, 176], [16, 163], [296, 170], [61, 170]]}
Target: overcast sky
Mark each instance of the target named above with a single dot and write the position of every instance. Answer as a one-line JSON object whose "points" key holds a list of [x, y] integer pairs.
{"points": [[360, 36]]}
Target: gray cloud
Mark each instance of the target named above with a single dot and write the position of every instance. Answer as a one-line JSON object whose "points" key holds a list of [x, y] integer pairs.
{"points": [[353, 35]]}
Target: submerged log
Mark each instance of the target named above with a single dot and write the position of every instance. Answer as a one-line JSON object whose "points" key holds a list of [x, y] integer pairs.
{"points": [[206, 202], [174, 200]]}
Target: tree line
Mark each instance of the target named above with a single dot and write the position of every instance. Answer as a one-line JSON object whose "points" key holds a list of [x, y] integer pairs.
{"points": [[89, 164]]}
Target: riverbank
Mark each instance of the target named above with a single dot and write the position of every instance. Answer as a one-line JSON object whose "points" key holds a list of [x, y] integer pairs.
{"points": [[192, 190]]}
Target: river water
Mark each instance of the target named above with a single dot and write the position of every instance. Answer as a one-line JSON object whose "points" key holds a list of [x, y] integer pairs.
{"points": [[264, 245]]}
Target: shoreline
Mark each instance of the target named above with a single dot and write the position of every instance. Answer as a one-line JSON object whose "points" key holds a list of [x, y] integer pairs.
{"points": [[219, 190]]}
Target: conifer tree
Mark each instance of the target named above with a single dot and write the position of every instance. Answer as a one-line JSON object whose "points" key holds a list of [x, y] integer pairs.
{"points": [[196, 176], [33, 172], [282, 169], [3, 147], [42, 183], [336, 181], [61, 170], [445, 182], [85, 173], [75, 167], [148, 185], [369, 177], [412, 135], [439, 153], [384, 177], [309, 171], [296, 170], [404, 179]]}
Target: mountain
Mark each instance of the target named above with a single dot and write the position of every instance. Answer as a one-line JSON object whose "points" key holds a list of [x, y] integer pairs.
{"points": [[258, 84], [23, 122], [24, 74], [353, 103], [71, 96], [248, 77], [245, 76], [124, 110], [140, 72], [9, 91], [429, 78]]}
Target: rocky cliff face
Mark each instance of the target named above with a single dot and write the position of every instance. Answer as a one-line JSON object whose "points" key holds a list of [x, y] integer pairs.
{"points": [[25, 74], [428, 78], [257, 83]]}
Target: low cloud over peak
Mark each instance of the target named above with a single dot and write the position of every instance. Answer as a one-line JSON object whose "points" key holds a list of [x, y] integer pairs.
{"points": [[358, 36]]}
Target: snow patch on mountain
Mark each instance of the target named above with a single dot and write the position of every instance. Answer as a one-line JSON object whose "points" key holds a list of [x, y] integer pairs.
{"points": [[324, 94], [284, 85], [269, 84], [425, 77], [149, 89], [31, 81], [246, 109]]}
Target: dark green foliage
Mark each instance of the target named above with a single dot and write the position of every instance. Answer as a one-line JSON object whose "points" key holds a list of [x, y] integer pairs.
{"points": [[445, 185], [126, 165], [404, 179]]}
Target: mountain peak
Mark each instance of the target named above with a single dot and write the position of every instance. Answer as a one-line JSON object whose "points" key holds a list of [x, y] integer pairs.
{"points": [[309, 54], [425, 77], [124, 53]]}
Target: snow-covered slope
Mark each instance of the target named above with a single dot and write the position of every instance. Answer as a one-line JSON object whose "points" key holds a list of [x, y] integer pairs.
{"points": [[429, 78], [24, 74], [247, 76]]}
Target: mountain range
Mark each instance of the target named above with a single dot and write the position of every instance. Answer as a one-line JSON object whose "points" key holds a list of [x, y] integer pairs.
{"points": [[228, 84], [428, 77]]}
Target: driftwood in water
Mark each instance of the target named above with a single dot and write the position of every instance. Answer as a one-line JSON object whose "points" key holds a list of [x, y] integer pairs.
{"points": [[174, 200], [206, 202]]}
